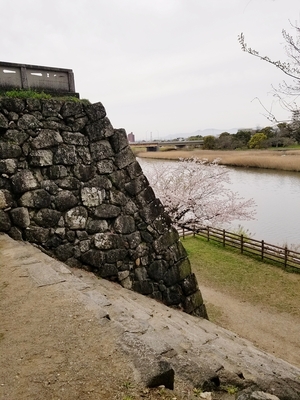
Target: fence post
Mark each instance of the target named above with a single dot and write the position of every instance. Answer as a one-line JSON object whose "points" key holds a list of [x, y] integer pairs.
{"points": [[224, 236], [183, 232], [285, 256], [24, 78], [242, 244], [262, 249], [207, 233], [194, 234]]}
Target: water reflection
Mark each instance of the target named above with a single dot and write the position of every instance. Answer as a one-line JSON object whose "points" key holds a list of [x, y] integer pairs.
{"points": [[277, 195]]}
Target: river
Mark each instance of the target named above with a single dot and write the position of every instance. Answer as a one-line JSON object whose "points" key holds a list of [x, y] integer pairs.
{"points": [[277, 196]]}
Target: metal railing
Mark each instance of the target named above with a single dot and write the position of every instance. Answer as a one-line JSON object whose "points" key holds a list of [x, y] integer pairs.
{"points": [[248, 246]]}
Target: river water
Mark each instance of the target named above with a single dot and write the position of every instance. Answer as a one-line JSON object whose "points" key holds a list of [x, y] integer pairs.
{"points": [[277, 197]]}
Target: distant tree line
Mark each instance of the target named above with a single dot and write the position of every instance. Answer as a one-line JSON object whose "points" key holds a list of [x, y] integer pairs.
{"points": [[282, 135]]}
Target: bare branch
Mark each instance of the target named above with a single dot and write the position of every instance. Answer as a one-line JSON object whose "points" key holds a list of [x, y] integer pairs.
{"points": [[285, 67], [287, 94]]}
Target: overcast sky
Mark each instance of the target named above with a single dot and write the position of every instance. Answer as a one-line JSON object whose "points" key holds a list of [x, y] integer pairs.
{"points": [[159, 67]]}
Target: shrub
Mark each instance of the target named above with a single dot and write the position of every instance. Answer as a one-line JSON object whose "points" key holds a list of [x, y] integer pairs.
{"points": [[33, 94]]}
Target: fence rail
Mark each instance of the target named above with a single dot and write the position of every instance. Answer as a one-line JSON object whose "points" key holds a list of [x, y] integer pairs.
{"points": [[246, 245]]}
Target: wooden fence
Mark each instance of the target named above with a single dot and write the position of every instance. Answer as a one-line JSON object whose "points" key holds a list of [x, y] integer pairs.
{"points": [[246, 245]]}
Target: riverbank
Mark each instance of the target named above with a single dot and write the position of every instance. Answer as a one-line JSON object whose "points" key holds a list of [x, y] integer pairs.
{"points": [[285, 160], [256, 300]]}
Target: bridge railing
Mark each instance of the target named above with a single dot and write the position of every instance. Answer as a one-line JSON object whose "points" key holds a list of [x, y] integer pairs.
{"points": [[36, 77]]}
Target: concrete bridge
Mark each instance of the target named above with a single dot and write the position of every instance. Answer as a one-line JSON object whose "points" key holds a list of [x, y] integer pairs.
{"points": [[178, 144], [58, 81]]}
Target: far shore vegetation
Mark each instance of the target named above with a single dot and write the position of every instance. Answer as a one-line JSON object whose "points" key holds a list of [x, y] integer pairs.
{"points": [[286, 159], [273, 147]]}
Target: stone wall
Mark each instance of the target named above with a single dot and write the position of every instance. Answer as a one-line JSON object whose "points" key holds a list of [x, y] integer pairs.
{"points": [[71, 184]]}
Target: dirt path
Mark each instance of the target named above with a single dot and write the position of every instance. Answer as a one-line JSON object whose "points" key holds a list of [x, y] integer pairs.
{"points": [[275, 333], [43, 358], [54, 348]]}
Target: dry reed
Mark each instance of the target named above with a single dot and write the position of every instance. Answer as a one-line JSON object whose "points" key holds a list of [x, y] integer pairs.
{"points": [[286, 160]]}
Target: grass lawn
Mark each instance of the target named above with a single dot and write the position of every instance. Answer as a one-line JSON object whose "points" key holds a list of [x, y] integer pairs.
{"points": [[243, 277]]}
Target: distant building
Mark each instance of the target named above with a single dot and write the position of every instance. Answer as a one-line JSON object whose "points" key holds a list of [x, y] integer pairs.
{"points": [[130, 137]]}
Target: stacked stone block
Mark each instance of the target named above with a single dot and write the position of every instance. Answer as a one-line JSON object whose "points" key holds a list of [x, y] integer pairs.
{"points": [[71, 184]]}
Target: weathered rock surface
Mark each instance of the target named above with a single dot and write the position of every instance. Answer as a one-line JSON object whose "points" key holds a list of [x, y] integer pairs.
{"points": [[257, 395]]}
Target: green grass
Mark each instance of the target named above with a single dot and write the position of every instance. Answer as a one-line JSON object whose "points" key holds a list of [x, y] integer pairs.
{"points": [[230, 389], [127, 385], [243, 277], [293, 146], [33, 94], [138, 149], [26, 94]]}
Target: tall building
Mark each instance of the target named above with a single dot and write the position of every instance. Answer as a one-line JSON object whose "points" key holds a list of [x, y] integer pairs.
{"points": [[130, 137]]}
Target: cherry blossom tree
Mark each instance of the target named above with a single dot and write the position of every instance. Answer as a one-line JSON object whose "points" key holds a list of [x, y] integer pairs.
{"points": [[197, 192]]}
